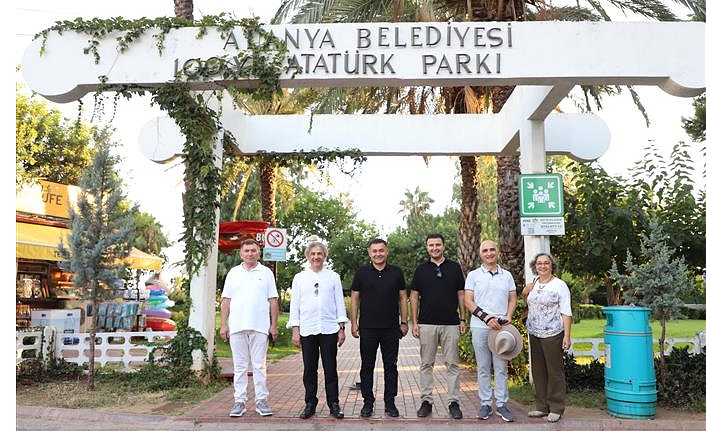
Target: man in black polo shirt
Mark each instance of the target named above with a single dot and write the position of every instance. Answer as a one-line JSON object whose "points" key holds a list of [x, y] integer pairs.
{"points": [[436, 298], [379, 292]]}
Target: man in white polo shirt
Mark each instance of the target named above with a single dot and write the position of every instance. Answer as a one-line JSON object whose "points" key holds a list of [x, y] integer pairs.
{"points": [[249, 312], [491, 298]]}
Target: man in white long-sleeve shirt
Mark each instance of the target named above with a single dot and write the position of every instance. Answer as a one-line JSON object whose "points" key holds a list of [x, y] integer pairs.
{"points": [[317, 316]]}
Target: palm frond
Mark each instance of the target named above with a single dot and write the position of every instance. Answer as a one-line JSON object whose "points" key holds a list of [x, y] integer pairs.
{"points": [[698, 7], [599, 8], [654, 9], [564, 13], [636, 100]]}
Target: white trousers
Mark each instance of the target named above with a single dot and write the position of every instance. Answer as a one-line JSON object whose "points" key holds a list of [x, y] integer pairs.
{"points": [[249, 347]]}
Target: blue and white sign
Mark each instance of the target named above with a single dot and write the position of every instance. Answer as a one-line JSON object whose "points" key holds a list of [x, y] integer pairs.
{"points": [[275, 245]]}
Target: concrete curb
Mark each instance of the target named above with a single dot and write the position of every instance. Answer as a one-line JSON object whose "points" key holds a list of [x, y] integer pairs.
{"points": [[29, 418]]}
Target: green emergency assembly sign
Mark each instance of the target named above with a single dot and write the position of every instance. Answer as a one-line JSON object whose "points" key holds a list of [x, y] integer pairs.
{"points": [[541, 195]]}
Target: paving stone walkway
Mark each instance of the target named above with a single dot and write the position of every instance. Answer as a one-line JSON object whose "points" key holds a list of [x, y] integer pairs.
{"points": [[287, 391]]}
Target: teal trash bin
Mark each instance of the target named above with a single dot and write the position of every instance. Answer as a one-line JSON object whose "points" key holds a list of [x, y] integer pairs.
{"points": [[630, 383]]}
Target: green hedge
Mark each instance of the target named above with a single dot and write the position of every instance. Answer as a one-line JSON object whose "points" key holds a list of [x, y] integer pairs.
{"points": [[684, 376], [685, 379], [590, 311]]}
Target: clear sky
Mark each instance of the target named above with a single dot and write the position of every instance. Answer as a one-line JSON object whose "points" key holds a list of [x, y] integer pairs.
{"points": [[382, 182]]}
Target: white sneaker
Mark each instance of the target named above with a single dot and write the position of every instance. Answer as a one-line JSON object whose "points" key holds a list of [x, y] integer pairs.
{"points": [[262, 408], [553, 417], [238, 410], [536, 414]]}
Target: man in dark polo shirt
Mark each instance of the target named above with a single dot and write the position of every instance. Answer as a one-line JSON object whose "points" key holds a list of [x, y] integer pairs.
{"points": [[379, 293], [436, 298]]}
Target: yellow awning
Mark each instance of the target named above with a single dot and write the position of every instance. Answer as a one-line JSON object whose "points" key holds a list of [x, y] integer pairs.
{"points": [[40, 242]]}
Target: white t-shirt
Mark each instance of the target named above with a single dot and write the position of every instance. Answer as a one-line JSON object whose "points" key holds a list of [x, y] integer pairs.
{"points": [[491, 292], [317, 305], [546, 303], [249, 293]]}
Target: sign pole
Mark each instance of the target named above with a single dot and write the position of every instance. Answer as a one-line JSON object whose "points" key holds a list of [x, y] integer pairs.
{"points": [[533, 161]]}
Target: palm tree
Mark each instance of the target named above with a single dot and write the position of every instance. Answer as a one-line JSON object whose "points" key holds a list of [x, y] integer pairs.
{"points": [[466, 99], [454, 100], [269, 172], [415, 204]]}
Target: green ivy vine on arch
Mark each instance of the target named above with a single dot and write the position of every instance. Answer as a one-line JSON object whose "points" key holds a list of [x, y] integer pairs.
{"points": [[265, 59]]}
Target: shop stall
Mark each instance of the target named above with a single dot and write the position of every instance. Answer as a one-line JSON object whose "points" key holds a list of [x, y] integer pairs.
{"points": [[41, 285]]}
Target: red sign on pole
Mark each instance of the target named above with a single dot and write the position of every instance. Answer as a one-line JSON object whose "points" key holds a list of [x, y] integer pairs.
{"points": [[231, 234]]}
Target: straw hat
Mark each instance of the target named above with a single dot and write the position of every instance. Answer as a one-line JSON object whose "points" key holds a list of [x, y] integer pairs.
{"points": [[505, 342]]}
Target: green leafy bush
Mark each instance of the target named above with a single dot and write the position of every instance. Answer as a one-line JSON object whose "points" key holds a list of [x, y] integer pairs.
{"points": [[36, 370], [582, 377], [517, 369], [694, 311], [685, 374], [173, 369]]}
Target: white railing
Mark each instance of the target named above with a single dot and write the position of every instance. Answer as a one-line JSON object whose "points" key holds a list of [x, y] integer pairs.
{"points": [[30, 344], [127, 349], [697, 343], [124, 349]]}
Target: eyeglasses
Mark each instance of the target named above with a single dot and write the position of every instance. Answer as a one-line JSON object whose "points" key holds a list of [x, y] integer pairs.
{"points": [[438, 272], [316, 289]]}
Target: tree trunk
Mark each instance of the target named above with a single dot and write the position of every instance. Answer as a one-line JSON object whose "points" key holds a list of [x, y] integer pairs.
{"points": [[93, 303], [468, 226], [511, 242], [267, 193], [461, 100], [184, 9], [267, 199]]}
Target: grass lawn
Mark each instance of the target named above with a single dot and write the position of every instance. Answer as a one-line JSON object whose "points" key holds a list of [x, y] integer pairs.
{"points": [[593, 328]]}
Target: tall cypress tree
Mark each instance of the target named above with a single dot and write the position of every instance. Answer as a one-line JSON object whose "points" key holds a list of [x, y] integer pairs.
{"points": [[101, 236]]}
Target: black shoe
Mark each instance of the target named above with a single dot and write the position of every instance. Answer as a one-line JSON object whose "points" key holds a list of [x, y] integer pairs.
{"points": [[335, 410], [367, 410], [424, 410], [455, 410], [308, 411], [391, 410]]}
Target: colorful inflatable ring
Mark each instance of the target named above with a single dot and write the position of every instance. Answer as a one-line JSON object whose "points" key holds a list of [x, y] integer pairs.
{"points": [[160, 324], [157, 299], [158, 313], [157, 292]]}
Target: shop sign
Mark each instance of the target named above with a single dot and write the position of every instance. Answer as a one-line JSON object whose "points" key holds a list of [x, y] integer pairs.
{"points": [[47, 198]]}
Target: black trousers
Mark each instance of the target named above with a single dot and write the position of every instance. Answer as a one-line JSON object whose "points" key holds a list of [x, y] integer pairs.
{"points": [[327, 346], [388, 339]]}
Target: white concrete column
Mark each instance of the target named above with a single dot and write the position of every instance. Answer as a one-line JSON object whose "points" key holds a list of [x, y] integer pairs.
{"points": [[202, 315], [533, 161]]}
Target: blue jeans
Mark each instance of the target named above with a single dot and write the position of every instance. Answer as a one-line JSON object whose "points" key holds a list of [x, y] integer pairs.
{"points": [[484, 358]]}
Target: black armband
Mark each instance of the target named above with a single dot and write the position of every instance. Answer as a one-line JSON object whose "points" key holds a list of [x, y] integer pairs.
{"points": [[479, 313]]}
